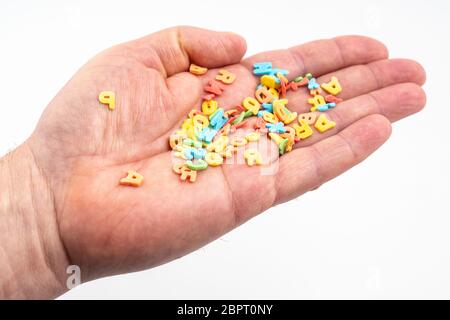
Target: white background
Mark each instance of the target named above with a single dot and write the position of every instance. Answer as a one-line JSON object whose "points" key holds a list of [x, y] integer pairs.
{"points": [[382, 229]]}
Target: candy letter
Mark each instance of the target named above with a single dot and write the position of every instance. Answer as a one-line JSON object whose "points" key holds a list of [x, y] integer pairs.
{"points": [[282, 112], [226, 76], [333, 87], [323, 124], [197, 70], [303, 130], [214, 87], [133, 179], [252, 104], [109, 98], [209, 107], [316, 101], [263, 95], [309, 118], [262, 68], [252, 157], [197, 165], [214, 159]]}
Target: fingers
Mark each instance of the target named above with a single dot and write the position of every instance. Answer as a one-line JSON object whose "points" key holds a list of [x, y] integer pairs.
{"points": [[399, 101], [305, 169], [393, 102], [362, 79], [172, 50], [323, 56]]}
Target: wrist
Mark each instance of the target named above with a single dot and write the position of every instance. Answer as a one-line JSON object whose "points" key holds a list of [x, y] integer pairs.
{"points": [[32, 257]]}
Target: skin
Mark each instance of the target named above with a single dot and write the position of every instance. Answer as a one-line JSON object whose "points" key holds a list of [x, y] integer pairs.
{"points": [[61, 203]]}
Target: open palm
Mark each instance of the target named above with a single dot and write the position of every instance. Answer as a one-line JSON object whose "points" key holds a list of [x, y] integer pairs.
{"points": [[83, 149]]}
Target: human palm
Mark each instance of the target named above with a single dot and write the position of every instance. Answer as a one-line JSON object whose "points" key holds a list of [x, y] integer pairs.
{"points": [[83, 149]]}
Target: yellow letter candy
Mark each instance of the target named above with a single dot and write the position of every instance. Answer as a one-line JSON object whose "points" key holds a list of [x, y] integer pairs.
{"points": [[187, 124], [251, 104], [333, 87], [270, 117], [316, 101], [280, 141], [193, 113], [229, 151], [180, 154], [226, 76], [263, 95], [209, 107], [218, 145], [274, 93], [269, 81], [323, 124], [177, 168], [200, 121], [289, 145], [133, 179], [176, 140], [191, 133], [252, 157], [184, 172], [315, 92], [238, 141], [252, 137], [213, 159], [280, 110], [303, 130], [309, 117], [276, 138], [197, 70], [109, 98], [290, 133]]}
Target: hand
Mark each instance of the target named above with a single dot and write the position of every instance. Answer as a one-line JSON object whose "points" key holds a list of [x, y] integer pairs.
{"points": [[81, 149]]}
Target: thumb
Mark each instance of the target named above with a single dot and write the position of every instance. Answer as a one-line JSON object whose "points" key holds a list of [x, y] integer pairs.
{"points": [[172, 50]]}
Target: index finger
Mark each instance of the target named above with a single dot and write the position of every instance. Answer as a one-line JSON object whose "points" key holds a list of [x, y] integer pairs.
{"points": [[323, 56]]}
